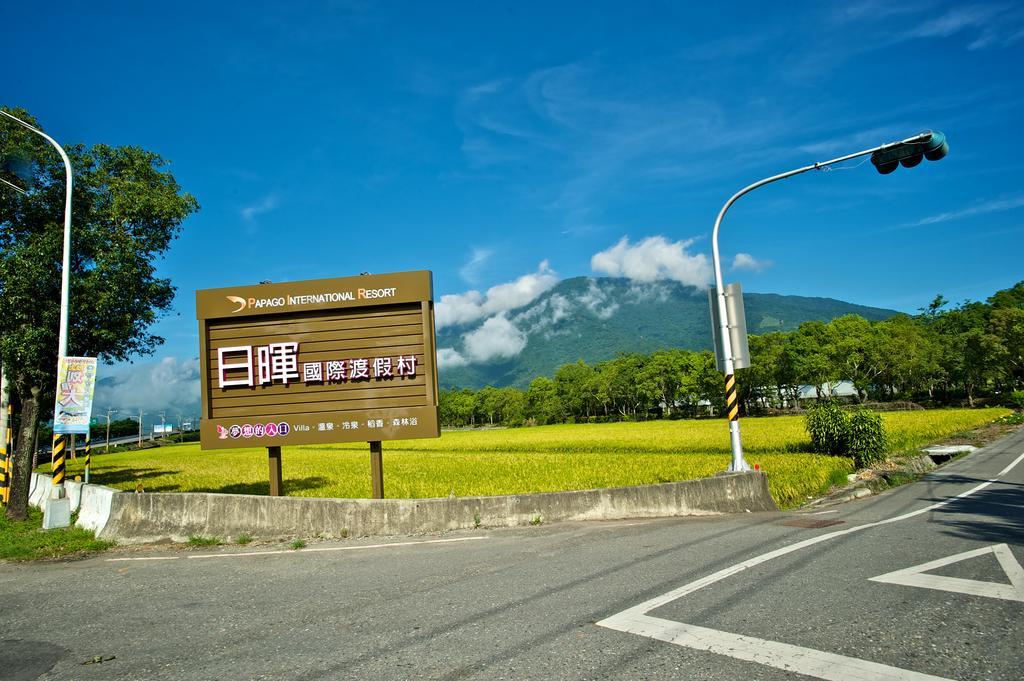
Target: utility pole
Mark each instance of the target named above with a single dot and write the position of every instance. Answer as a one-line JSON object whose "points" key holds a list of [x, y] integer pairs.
{"points": [[106, 448], [163, 424], [141, 413]]}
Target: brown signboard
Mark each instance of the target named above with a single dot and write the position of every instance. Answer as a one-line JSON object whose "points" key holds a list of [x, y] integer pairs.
{"points": [[315, 362]]}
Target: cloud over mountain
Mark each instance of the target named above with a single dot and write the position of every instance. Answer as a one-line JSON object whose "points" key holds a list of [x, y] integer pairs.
{"points": [[654, 259], [463, 308], [171, 385]]}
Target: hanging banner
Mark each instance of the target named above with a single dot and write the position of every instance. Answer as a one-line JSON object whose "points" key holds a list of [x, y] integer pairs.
{"points": [[76, 380]]}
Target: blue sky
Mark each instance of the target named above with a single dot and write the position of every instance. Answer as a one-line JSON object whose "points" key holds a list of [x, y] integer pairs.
{"points": [[512, 143]]}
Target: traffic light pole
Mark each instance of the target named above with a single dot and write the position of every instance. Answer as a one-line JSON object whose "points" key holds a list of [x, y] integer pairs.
{"points": [[739, 464]]}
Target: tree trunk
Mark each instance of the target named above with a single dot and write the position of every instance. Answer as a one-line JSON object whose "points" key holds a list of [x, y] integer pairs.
{"points": [[17, 508]]}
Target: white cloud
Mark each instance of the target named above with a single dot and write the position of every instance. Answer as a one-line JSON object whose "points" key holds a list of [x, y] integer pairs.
{"points": [[978, 209], [596, 300], [459, 308], [471, 270], [745, 261], [997, 26], [544, 314], [654, 259], [462, 308], [170, 385], [497, 338], [450, 358], [264, 205]]}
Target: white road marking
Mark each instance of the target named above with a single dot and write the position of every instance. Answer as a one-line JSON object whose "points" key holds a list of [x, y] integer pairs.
{"points": [[636, 621], [824, 512], [914, 576], [306, 550], [791, 658]]}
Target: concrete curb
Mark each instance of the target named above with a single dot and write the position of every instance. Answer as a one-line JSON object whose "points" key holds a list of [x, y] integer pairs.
{"points": [[141, 518], [92, 501], [94, 510], [175, 517]]}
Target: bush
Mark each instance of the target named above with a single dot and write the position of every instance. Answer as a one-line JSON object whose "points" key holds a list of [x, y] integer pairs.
{"points": [[857, 434], [1015, 400], [827, 424], [865, 437]]}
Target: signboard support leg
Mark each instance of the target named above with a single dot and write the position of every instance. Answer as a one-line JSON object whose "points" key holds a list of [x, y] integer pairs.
{"points": [[377, 469], [274, 455]]}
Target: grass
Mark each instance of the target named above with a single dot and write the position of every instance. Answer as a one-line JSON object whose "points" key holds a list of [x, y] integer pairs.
{"points": [[25, 540], [197, 540], [528, 460]]}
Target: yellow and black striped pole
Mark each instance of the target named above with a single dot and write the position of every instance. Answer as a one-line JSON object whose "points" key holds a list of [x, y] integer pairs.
{"points": [[88, 455], [732, 406], [59, 445], [5, 461]]}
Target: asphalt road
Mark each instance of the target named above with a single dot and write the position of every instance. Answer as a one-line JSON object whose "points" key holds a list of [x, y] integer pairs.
{"points": [[917, 583]]}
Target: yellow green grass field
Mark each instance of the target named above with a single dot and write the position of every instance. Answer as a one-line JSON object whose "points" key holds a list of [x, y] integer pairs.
{"points": [[524, 460]]}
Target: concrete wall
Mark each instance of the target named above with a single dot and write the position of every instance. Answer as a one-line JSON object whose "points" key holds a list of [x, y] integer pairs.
{"points": [[137, 518], [92, 502], [175, 517]]}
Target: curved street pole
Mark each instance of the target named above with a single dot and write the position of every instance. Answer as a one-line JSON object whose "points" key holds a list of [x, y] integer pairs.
{"points": [[739, 464], [65, 274]]}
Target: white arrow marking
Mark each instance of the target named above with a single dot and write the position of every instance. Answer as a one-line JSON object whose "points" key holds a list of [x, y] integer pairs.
{"points": [[914, 576]]}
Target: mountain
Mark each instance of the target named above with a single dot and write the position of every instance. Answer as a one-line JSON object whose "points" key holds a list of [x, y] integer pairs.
{"points": [[594, 319]]}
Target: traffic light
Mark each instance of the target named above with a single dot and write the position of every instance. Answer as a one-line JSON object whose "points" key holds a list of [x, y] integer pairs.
{"points": [[930, 145]]}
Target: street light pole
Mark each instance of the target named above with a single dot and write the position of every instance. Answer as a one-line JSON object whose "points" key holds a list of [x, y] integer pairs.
{"points": [[738, 463], [62, 343], [58, 516]]}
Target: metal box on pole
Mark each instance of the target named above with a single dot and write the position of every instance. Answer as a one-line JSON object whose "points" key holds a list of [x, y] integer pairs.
{"points": [[737, 323]]}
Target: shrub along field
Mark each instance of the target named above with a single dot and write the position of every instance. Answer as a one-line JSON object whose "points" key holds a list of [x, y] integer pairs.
{"points": [[524, 460]]}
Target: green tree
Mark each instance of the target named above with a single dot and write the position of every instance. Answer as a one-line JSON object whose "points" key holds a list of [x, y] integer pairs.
{"points": [[811, 358], [663, 374], [759, 384], [543, 403], [620, 385], [576, 389], [910, 356], [708, 382], [852, 348], [489, 403], [127, 209], [1006, 330], [513, 406], [1009, 297], [964, 361], [457, 407]]}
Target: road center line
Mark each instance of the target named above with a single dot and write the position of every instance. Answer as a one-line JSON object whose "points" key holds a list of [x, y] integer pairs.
{"points": [[635, 620], [299, 551]]}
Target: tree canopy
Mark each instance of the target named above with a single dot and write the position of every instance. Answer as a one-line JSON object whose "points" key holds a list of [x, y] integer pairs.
{"points": [[941, 356], [127, 208]]}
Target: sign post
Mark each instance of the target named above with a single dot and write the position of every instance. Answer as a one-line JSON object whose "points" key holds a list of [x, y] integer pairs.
{"points": [[350, 359], [72, 414], [274, 457], [377, 469]]}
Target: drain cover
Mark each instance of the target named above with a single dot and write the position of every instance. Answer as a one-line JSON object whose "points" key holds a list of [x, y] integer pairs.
{"points": [[811, 522]]}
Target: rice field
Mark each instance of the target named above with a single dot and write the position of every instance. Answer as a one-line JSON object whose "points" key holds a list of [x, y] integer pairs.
{"points": [[526, 460]]}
